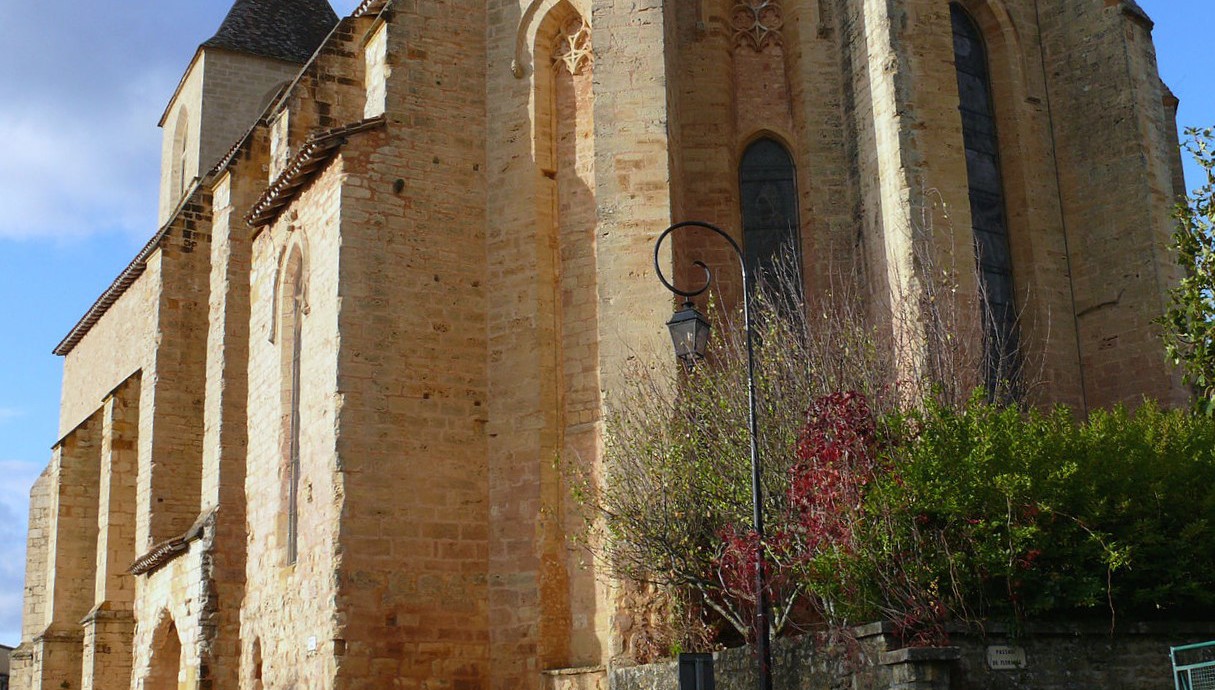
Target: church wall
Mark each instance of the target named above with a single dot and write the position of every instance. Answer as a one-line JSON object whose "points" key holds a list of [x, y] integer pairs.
{"points": [[26, 658], [218, 100], [632, 93], [289, 609], [941, 211], [411, 431], [1038, 236], [172, 594], [109, 625], [71, 555], [828, 195], [1111, 128], [236, 90], [521, 365], [477, 279], [119, 345], [181, 139], [877, 119], [225, 437], [546, 609], [171, 418]]}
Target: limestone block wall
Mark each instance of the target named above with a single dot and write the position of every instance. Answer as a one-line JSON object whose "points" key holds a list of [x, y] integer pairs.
{"points": [[118, 346], [124, 469], [577, 191], [520, 360], [71, 554], [181, 139], [1112, 130], [411, 364], [633, 205], [170, 458], [731, 88], [169, 640], [1058, 657], [220, 97], [109, 625], [289, 612], [940, 221], [225, 433], [237, 88], [26, 657]]}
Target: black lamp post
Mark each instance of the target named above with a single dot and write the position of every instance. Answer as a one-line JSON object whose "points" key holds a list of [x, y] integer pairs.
{"points": [[690, 335]]}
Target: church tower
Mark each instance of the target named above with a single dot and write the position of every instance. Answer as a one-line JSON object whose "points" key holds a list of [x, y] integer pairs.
{"points": [[233, 77]]}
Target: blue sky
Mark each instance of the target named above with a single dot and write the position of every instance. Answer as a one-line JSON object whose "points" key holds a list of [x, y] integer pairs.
{"points": [[83, 85]]}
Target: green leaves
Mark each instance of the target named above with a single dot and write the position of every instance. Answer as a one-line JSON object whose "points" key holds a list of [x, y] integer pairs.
{"points": [[1036, 515], [1189, 322]]}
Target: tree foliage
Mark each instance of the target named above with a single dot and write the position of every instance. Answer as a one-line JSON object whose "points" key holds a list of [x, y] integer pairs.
{"points": [[1190, 320]]}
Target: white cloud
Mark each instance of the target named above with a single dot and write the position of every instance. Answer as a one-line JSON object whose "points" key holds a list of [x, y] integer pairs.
{"points": [[76, 171]]}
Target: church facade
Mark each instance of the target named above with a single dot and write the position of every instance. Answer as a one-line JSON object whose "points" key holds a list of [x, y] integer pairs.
{"points": [[307, 436]]}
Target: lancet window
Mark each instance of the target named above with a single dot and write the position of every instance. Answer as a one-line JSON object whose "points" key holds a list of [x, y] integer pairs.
{"points": [[768, 196], [987, 205]]}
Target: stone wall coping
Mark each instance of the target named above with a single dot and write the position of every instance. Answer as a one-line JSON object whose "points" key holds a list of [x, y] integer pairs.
{"points": [[873, 629], [103, 611], [576, 671], [1085, 628], [913, 655]]}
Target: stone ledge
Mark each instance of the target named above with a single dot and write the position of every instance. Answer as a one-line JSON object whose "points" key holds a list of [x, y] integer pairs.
{"points": [[915, 655], [577, 671]]}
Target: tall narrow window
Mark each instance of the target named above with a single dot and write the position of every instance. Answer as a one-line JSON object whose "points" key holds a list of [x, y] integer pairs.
{"points": [[292, 353], [987, 209], [179, 159], [768, 195]]}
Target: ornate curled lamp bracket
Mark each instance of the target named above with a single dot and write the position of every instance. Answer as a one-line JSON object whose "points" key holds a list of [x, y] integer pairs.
{"points": [[708, 280]]}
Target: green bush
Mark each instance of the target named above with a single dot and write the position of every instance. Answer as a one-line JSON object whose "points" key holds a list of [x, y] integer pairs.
{"points": [[1032, 515]]}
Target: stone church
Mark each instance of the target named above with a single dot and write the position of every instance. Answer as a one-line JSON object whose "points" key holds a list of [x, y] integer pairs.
{"points": [[307, 435]]}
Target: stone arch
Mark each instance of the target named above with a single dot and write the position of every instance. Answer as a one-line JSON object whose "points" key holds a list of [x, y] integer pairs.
{"points": [[567, 270], [769, 206], [165, 663], [529, 31], [1003, 37], [296, 245]]}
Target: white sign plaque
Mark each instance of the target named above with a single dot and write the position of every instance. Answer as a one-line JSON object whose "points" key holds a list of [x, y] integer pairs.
{"points": [[1004, 658]]}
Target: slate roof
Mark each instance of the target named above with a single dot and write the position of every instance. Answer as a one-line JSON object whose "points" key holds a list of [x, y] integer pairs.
{"points": [[288, 30]]}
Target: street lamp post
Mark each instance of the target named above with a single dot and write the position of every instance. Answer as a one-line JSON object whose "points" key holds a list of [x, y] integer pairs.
{"points": [[690, 336]]}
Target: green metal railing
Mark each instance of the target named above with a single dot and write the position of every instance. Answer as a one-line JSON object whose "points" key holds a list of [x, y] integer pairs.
{"points": [[1194, 666]]}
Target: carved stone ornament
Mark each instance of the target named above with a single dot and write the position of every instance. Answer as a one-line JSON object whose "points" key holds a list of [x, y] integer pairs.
{"points": [[757, 23], [574, 46]]}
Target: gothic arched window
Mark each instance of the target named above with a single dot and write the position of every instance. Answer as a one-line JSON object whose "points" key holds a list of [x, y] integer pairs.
{"points": [[768, 196], [987, 208]]}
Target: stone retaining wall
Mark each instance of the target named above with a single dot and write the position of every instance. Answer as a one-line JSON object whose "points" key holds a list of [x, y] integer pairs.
{"points": [[1058, 657]]}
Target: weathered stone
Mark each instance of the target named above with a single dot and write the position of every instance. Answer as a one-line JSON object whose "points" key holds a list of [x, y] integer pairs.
{"points": [[320, 410]]}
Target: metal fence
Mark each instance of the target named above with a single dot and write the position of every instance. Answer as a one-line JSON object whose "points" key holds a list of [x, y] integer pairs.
{"points": [[1194, 666]]}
